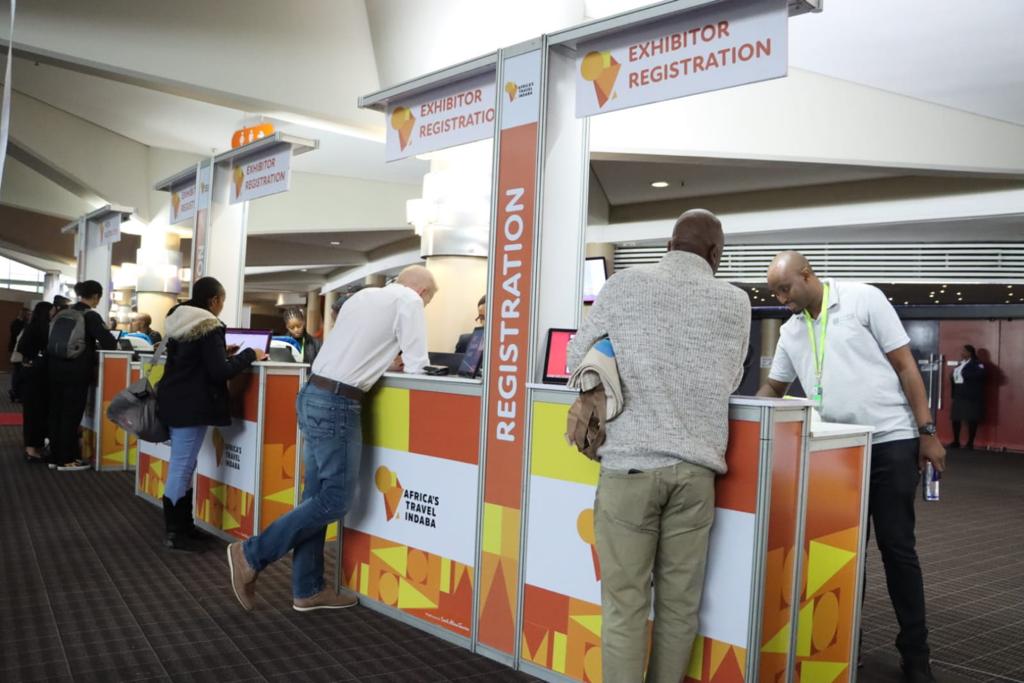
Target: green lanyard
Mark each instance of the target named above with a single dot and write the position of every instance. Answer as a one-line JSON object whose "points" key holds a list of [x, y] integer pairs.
{"points": [[818, 347]]}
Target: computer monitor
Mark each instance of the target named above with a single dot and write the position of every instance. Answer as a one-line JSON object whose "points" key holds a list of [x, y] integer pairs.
{"points": [[248, 339], [474, 354], [556, 357], [595, 272]]}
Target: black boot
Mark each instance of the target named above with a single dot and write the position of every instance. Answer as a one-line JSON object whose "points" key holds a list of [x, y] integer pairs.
{"points": [[188, 523], [917, 669], [175, 532]]}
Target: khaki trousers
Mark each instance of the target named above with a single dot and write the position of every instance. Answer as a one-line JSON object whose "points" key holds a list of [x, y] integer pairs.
{"points": [[657, 522]]}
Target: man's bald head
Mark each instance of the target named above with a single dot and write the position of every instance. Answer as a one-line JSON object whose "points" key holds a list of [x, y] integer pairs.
{"points": [[698, 231], [793, 282], [790, 262], [420, 280]]}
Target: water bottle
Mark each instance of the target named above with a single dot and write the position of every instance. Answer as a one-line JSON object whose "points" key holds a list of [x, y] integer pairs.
{"points": [[930, 485]]}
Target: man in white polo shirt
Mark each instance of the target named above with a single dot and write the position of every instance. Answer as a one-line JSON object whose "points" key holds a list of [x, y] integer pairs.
{"points": [[849, 349]]}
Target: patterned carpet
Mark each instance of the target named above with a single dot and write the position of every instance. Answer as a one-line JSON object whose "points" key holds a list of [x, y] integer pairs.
{"points": [[89, 594]]}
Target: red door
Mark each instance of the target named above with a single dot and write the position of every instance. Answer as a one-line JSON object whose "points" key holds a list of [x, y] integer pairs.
{"points": [[984, 336], [1010, 432]]}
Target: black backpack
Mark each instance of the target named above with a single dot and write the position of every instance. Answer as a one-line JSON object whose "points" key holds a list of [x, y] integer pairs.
{"points": [[67, 335]]}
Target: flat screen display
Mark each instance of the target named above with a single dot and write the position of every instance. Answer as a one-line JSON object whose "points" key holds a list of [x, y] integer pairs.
{"points": [[248, 339], [474, 353], [556, 358], [595, 272]]}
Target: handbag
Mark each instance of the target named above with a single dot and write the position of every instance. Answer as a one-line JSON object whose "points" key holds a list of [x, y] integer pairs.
{"points": [[134, 409]]}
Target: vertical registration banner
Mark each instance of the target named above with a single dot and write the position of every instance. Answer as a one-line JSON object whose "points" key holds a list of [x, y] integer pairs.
{"points": [[508, 357]]}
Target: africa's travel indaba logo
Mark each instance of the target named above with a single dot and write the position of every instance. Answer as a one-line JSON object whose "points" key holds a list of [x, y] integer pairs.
{"points": [[585, 528], [218, 446], [389, 487], [511, 88], [601, 69], [402, 121], [239, 178]]}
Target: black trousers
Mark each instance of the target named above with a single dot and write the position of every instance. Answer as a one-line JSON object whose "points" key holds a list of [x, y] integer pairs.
{"points": [[894, 480], [972, 431], [67, 406], [35, 391]]}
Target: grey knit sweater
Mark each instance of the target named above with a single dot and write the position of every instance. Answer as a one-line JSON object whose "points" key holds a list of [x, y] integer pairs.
{"points": [[680, 338]]}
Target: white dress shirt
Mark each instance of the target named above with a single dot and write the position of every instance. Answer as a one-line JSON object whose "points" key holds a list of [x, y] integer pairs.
{"points": [[372, 327]]}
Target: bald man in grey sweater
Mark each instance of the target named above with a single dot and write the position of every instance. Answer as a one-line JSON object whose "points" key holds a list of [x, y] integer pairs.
{"points": [[680, 337]]}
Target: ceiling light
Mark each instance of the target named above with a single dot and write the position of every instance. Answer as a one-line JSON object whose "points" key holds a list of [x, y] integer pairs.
{"points": [[335, 243], [305, 270], [659, 184], [1009, 286], [958, 293], [890, 298], [959, 298], [906, 302]]}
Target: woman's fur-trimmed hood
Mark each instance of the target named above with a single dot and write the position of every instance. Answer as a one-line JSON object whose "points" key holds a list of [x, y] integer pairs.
{"points": [[188, 323]]}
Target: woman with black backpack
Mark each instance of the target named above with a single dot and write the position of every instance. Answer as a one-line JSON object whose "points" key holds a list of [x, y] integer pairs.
{"points": [[193, 396], [33, 381], [75, 335]]}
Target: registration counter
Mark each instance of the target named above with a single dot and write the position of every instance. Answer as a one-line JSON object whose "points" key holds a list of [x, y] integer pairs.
{"points": [[246, 472], [103, 442], [410, 538]]}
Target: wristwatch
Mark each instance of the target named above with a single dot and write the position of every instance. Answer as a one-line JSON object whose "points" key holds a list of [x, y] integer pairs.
{"points": [[927, 429]]}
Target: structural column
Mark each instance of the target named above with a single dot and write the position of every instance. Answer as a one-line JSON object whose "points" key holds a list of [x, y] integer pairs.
{"points": [[314, 316], [159, 265]]}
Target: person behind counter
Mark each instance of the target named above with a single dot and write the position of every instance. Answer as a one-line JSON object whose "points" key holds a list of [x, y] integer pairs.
{"points": [[968, 395], [847, 346], [193, 396], [75, 335], [680, 336], [481, 315], [33, 387], [143, 322], [295, 323], [374, 325]]}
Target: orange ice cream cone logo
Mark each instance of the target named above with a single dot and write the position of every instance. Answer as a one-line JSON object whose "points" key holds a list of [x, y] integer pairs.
{"points": [[402, 121], [511, 88], [239, 177], [585, 528], [176, 202], [601, 69], [218, 446], [389, 487]]}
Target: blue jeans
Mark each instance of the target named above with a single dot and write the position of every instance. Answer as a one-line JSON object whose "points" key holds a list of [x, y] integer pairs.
{"points": [[332, 449], [185, 445]]}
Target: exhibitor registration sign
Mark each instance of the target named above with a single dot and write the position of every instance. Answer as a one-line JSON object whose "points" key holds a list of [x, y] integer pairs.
{"points": [[725, 45], [451, 115]]}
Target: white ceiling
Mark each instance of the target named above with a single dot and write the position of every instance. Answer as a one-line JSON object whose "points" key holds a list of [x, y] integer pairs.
{"points": [[159, 119], [627, 181]]}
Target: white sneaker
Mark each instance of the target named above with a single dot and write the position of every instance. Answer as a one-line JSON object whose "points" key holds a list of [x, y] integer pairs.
{"points": [[74, 466]]}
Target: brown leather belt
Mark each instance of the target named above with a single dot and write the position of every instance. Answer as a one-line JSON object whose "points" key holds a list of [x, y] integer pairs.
{"points": [[337, 388]]}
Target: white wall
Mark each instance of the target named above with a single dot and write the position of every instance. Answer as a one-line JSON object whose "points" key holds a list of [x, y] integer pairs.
{"points": [[322, 203], [808, 117]]}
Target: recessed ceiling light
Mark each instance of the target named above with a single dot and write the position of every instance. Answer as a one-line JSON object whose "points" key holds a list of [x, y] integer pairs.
{"points": [[1009, 286], [305, 270], [958, 293], [890, 298], [335, 243], [906, 302], [659, 184], [959, 298]]}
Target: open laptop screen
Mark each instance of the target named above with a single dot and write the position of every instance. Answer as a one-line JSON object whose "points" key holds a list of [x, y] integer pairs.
{"points": [[556, 358], [248, 339]]}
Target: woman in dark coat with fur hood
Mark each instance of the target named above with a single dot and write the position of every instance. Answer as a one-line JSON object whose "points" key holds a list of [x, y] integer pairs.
{"points": [[192, 396]]}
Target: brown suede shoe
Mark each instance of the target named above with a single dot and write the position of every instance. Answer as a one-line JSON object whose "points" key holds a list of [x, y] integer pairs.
{"points": [[326, 599], [243, 577]]}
